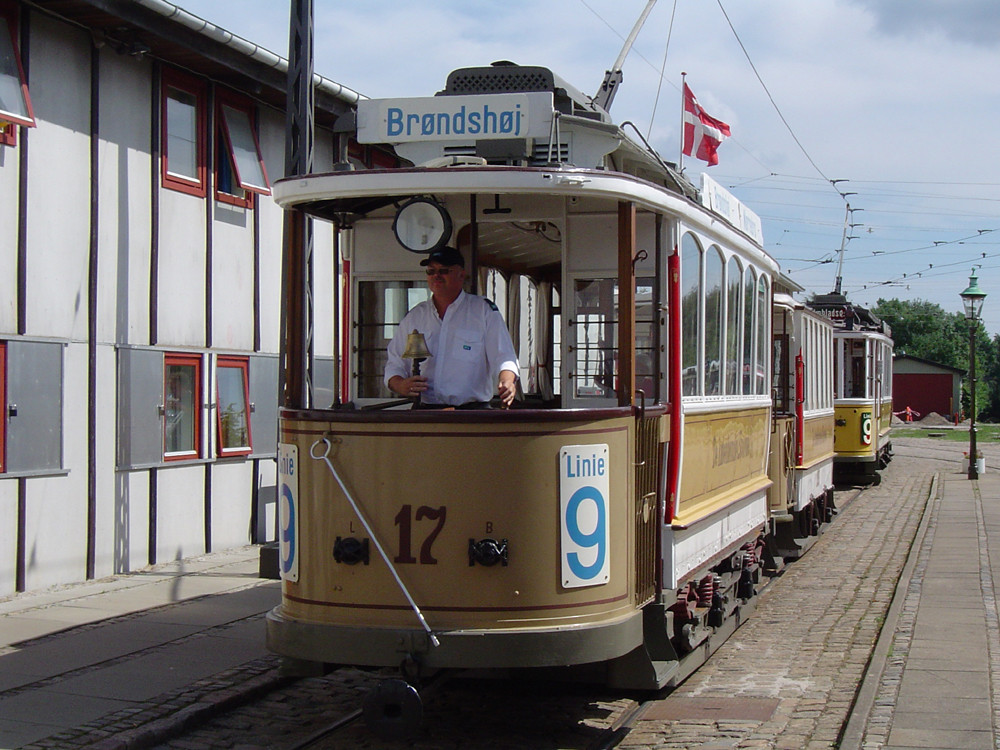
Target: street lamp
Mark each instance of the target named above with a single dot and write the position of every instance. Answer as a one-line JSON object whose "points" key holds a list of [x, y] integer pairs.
{"points": [[972, 300]]}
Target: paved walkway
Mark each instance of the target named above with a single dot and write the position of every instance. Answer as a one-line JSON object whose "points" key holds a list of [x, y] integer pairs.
{"points": [[936, 667], [129, 657]]}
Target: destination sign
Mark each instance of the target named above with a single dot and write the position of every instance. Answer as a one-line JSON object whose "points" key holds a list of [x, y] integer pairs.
{"points": [[444, 118]]}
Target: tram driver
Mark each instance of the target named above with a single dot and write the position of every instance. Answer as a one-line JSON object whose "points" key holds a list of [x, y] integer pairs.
{"points": [[472, 354]]}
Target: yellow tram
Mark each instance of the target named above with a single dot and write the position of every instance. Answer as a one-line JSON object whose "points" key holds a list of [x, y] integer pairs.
{"points": [[862, 354], [802, 432], [615, 516]]}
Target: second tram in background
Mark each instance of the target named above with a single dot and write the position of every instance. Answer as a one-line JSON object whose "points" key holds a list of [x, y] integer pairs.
{"points": [[862, 366], [802, 430]]}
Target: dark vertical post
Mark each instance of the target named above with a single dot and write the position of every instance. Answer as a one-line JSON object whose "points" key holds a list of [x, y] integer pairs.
{"points": [[973, 453], [297, 317], [92, 311]]}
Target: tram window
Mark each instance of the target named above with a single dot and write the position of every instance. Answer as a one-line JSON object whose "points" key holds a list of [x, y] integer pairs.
{"points": [[381, 305], [854, 374], [181, 406], [15, 102], [526, 339], [239, 167], [183, 133], [749, 285], [734, 277], [233, 406], [556, 325], [596, 331], [763, 325], [596, 334], [494, 286], [646, 369], [690, 315], [783, 375], [713, 322]]}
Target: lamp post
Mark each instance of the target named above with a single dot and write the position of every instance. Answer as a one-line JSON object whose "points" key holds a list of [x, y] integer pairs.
{"points": [[972, 301]]}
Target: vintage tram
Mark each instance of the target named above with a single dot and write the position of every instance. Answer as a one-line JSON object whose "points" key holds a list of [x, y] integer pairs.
{"points": [[862, 363], [801, 497], [615, 518]]}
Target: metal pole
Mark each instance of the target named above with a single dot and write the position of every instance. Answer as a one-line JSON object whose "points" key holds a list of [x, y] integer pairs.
{"points": [[973, 469]]}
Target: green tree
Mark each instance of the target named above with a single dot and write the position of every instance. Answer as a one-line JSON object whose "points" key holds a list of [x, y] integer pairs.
{"points": [[923, 329]]}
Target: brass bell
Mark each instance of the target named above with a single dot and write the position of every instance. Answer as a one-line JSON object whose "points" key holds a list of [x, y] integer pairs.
{"points": [[416, 347]]}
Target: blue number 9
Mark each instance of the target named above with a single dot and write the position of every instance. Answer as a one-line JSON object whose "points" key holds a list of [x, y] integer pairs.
{"points": [[288, 529], [597, 538]]}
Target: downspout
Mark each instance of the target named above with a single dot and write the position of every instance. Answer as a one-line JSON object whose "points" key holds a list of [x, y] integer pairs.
{"points": [[92, 328]]}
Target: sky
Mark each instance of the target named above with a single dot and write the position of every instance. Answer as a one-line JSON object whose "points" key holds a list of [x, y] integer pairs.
{"points": [[883, 107]]}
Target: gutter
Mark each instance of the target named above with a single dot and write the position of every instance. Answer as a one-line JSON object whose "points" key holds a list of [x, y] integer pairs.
{"points": [[245, 48]]}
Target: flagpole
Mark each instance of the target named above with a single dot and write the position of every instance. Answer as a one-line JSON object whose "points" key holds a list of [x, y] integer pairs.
{"points": [[680, 157]]}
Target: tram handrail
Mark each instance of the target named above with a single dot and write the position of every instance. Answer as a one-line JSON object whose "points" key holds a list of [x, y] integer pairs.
{"points": [[402, 586]]}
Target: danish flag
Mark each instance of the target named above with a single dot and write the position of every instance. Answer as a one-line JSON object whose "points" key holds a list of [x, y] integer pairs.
{"points": [[702, 133]]}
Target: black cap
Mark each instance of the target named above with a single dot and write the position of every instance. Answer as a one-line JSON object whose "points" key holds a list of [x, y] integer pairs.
{"points": [[446, 256]]}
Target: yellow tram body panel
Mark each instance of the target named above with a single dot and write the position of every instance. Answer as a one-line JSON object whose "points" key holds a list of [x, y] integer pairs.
{"points": [[428, 489], [817, 439], [781, 464], [724, 460], [884, 422], [855, 436]]}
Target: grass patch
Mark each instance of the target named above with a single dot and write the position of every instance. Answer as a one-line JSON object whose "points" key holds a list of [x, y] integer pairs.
{"points": [[985, 433]]}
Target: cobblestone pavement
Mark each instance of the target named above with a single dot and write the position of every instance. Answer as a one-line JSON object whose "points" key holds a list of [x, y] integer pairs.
{"points": [[796, 665]]}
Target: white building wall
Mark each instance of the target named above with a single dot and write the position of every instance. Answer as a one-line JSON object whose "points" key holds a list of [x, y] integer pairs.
{"points": [[272, 143], [232, 277], [181, 275], [56, 506], [9, 174], [124, 211], [107, 508], [58, 228], [180, 512], [58, 237], [232, 485], [8, 536]]}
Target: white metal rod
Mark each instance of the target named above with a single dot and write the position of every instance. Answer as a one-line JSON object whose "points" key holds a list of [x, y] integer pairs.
{"points": [[368, 528]]}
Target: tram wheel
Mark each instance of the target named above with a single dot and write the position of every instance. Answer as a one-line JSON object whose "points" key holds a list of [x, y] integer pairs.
{"points": [[393, 710]]}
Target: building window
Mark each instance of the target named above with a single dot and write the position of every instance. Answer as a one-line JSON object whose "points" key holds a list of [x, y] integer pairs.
{"points": [[15, 103], [239, 167], [232, 384], [182, 104], [182, 407]]}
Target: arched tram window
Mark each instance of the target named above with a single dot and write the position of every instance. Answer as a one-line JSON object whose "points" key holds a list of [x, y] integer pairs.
{"points": [[691, 257]]}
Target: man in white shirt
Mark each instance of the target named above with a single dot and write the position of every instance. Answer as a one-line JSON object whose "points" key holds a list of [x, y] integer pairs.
{"points": [[471, 351]]}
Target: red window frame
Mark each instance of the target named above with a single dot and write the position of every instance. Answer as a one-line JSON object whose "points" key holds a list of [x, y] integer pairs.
{"points": [[243, 365], [9, 123], [183, 360], [224, 151], [172, 80]]}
